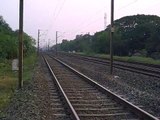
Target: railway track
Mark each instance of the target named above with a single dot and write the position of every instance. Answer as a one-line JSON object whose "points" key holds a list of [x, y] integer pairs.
{"points": [[87, 99], [57, 105], [150, 70]]}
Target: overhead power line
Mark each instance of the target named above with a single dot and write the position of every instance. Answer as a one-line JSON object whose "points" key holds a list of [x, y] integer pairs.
{"points": [[60, 10], [55, 16], [90, 18], [125, 6], [91, 22]]}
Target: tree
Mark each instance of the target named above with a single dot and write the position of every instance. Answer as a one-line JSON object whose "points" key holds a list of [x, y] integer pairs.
{"points": [[9, 41], [132, 34]]}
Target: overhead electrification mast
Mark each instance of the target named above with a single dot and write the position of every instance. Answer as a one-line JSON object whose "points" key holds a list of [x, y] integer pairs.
{"points": [[20, 75], [111, 37]]}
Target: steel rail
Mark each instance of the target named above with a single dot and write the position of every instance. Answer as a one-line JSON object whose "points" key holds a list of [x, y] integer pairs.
{"points": [[139, 70], [138, 111], [71, 109]]}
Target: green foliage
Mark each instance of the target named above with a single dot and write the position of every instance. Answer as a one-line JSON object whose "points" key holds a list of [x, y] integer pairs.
{"points": [[100, 40], [9, 42], [9, 50], [139, 32], [4, 27], [9, 79], [80, 44], [7, 82], [29, 64], [133, 34]]}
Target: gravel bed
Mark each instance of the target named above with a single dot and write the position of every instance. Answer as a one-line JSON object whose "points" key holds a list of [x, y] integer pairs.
{"points": [[33, 101], [139, 89]]}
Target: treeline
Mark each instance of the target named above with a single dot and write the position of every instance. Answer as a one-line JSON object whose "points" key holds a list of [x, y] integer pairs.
{"points": [[9, 42], [139, 34]]}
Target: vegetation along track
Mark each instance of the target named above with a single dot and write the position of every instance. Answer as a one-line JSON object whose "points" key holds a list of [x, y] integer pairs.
{"points": [[146, 69], [89, 100]]}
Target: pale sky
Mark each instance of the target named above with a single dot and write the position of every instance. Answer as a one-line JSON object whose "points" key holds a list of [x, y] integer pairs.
{"points": [[70, 17]]}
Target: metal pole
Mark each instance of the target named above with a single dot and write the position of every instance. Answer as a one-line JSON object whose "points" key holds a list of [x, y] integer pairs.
{"points": [[38, 41], [21, 45], [111, 38], [56, 40]]}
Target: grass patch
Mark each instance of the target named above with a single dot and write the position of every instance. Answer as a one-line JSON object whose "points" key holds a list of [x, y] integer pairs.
{"points": [[139, 59], [29, 63], [146, 60], [7, 87], [9, 79]]}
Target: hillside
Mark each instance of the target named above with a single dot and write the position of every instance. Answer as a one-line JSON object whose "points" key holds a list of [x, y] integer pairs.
{"points": [[138, 34]]}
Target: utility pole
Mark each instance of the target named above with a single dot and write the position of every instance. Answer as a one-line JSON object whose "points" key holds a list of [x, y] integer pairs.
{"points": [[38, 41], [111, 37], [56, 41], [20, 75]]}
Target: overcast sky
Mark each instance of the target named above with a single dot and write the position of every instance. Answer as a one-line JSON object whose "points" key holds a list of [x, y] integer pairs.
{"points": [[70, 17]]}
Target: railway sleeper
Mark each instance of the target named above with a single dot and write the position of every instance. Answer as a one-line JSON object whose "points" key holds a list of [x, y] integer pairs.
{"points": [[116, 116]]}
